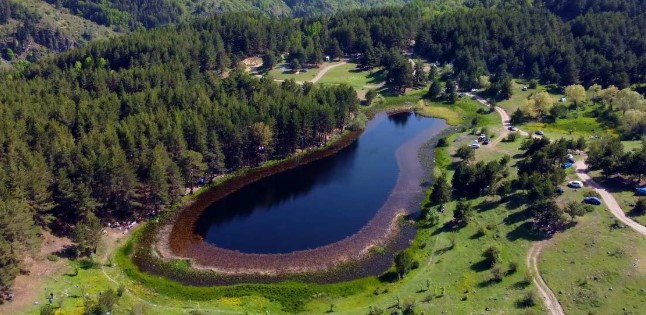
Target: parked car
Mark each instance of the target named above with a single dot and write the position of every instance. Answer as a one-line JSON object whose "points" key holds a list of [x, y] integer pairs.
{"points": [[592, 200], [512, 128], [641, 191], [567, 165], [485, 141], [575, 184], [474, 145], [560, 190], [539, 132]]}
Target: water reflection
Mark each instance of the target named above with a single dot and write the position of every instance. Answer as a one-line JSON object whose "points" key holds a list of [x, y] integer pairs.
{"points": [[315, 204]]}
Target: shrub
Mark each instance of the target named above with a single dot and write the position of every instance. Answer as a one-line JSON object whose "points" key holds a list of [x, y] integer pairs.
{"points": [[47, 309], [512, 137], [513, 267], [442, 142], [640, 207], [497, 273], [120, 290], [528, 300], [87, 263], [409, 307], [359, 122], [404, 263], [374, 310], [52, 257], [492, 255], [480, 233], [533, 84]]}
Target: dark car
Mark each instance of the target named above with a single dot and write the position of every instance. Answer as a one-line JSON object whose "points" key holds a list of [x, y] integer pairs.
{"points": [[641, 191], [566, 165], [539, 132], [592, 200], [560, 190]]}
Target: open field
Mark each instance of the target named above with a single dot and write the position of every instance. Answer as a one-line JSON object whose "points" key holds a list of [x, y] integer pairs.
{"points": [[282, 72], [519, 96], [349, 75], [594, 269]]}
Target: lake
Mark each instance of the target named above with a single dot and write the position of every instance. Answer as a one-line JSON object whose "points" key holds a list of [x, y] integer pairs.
{"points": [[319, 203]]}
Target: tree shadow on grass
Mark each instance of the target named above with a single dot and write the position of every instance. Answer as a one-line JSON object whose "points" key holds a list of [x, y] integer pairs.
{"points": [[449, 226], [522, 284], [514, 201], [516, 217], [487, 205], [68, 252], [481, 266], [488, 282], [389, 277], [525, 231], [445, 249]]}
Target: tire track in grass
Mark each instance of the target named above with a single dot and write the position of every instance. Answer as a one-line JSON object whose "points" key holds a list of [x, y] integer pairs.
{"points": [[551, 302]]}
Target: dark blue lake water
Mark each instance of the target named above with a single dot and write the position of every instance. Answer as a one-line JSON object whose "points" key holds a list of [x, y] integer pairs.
{"points": [[318, 203]]}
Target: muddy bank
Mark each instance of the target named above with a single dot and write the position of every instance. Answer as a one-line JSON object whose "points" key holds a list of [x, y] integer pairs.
{"points": [[367, 252]]}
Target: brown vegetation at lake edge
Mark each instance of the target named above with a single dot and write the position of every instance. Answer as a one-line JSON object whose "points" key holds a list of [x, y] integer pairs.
{"points": [[176, 239]]}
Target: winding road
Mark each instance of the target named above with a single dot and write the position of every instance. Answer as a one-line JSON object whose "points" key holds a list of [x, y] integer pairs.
{"points": [[608, 199], [548, 296], [551, 302]]}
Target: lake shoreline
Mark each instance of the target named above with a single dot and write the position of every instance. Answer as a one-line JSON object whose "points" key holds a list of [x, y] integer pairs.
{"points": [[368, 252]]}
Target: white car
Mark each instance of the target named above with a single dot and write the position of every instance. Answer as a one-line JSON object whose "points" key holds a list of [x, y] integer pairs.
{"points": [[474, 145], [575, 184]]}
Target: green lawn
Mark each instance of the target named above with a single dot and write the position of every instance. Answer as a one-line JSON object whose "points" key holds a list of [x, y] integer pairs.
{"points": [[568, 127], [282, 72], [349, 75], [595, 270], [519, 96]]}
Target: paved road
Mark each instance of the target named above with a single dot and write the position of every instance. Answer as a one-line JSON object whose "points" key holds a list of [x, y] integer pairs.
{"points": [[608, 199]]}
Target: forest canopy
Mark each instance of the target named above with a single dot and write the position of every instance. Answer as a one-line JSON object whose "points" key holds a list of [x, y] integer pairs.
{"points": [[123, 126]]}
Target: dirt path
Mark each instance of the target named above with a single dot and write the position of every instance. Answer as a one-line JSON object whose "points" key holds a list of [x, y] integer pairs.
{"points": [[325, 70], [609, 200], [506, 119], [551, 302]]}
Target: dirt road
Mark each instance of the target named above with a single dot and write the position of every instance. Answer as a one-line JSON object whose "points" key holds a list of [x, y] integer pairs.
{"points": [[551, 302], [325, 70], [608, 199]]}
